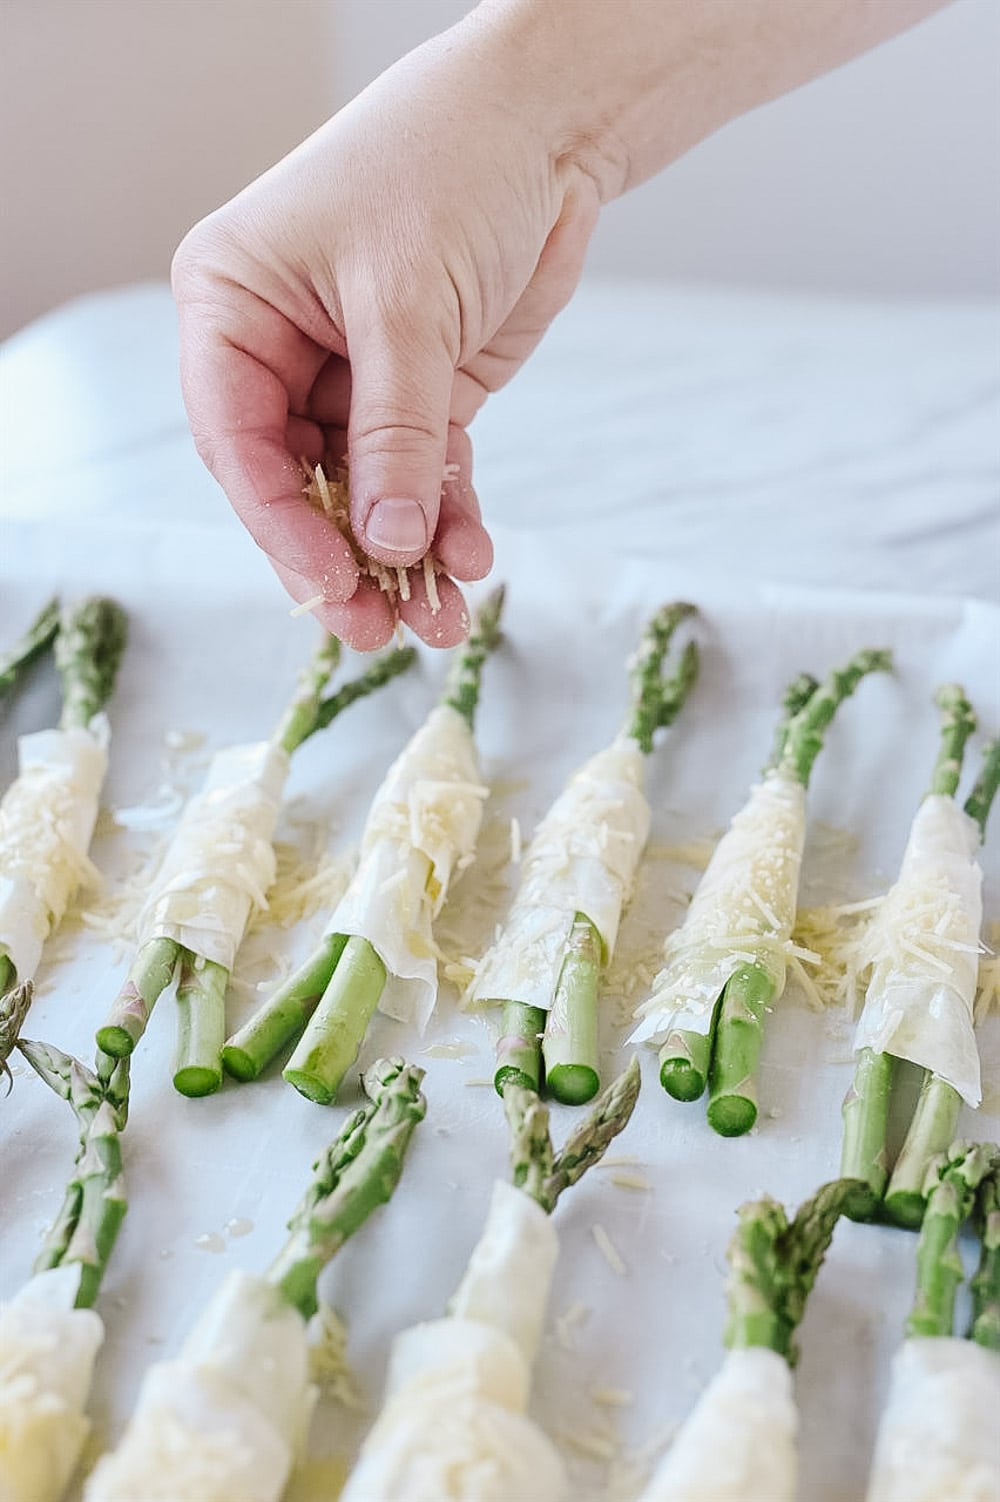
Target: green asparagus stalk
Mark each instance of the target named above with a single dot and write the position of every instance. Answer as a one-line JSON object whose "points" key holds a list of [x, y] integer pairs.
{"points": [[865, 1113], [333, 1037], [94, 1205], [570, 1042], [259, 1040], [536, 1167], [356, 1174], [201, 1026], [796, 697], [150, 974], [931, 1132], [773, 1264], [519, 1047], [201, 995], [35, 641], [88, 650], [656, 700], [739, 1033], [685, 1057], [465, 675], [866, 1107], [739, 1023], [958, 723], [331, 998], [980, 800], [952, 1186], [985, 1283], [807, 728]]}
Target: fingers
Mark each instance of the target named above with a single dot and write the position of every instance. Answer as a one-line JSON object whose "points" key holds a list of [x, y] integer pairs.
{"points": [[444, 627], [397, 435], [238, 410], [462, 543], [365, 623]]}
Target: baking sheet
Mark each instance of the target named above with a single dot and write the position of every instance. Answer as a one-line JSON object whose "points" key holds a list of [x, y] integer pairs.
{"points": [[211, 1182]]}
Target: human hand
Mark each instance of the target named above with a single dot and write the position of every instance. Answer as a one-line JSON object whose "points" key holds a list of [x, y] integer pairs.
{"points": [[368, 293]]}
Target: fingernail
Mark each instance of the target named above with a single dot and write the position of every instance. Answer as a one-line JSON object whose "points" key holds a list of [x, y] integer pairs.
{"points": [[397, 524]]}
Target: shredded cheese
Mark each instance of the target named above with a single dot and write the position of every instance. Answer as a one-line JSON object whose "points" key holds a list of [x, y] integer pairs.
{"points": [[608, 1250]]}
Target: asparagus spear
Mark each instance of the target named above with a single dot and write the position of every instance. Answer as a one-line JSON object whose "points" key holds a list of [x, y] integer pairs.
{"points": [[358, 1172], [94, 1204], [939, 845], [739, 1028], [739, 1443], [951, 1195], [330, 999], [985, 1282], [937, 1434], [203, 981], [560, 1037], [243, 1371], [54, 799], [35, 641], [458, 1386], [725, 965]]}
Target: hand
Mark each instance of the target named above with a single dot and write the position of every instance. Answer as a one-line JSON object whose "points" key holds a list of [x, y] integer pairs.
{"points": [[368, 293]]}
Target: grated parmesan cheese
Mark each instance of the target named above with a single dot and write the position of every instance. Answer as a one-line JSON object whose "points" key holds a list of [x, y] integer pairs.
{"points": [[330, 494], [608, 1250], [307, 605]]}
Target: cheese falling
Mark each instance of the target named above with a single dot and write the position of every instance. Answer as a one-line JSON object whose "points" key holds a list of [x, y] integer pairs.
{"points": [[47, 819], [225, 1420], [739, 1444], [742, 913], [454, 1426], [583, 858], [221, 860], [421, 831], [937, 1441], [923, 947], [47, 1353]]}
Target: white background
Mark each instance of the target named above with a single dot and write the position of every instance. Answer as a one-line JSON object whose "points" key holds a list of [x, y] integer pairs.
{"points": [[123, 123]]}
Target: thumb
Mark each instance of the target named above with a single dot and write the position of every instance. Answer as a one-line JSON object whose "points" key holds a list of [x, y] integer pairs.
{"points": [[397, 435]]}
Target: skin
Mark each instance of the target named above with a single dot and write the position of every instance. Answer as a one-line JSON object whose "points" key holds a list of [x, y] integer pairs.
{"points": [[366, 295]]}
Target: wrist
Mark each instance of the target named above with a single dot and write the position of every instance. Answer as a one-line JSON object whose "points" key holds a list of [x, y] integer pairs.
{"points": [[619, 88]]}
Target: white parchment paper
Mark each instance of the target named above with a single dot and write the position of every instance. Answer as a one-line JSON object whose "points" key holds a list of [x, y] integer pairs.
{"points": [[212, 1182]]}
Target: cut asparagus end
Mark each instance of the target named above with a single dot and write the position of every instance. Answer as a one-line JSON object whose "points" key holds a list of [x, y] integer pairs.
{"points": [[151, 973], [201, 1027], [569, 1046], [282, 1019], [337, 1028], [572, 1084], [865, 1114], [931, 1133], [685, 1059], [519, 1047], [739, 1029]]}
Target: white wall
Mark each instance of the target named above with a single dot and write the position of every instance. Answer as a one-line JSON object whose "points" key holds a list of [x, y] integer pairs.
{"points": [[882, 177], [123, 121]]}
